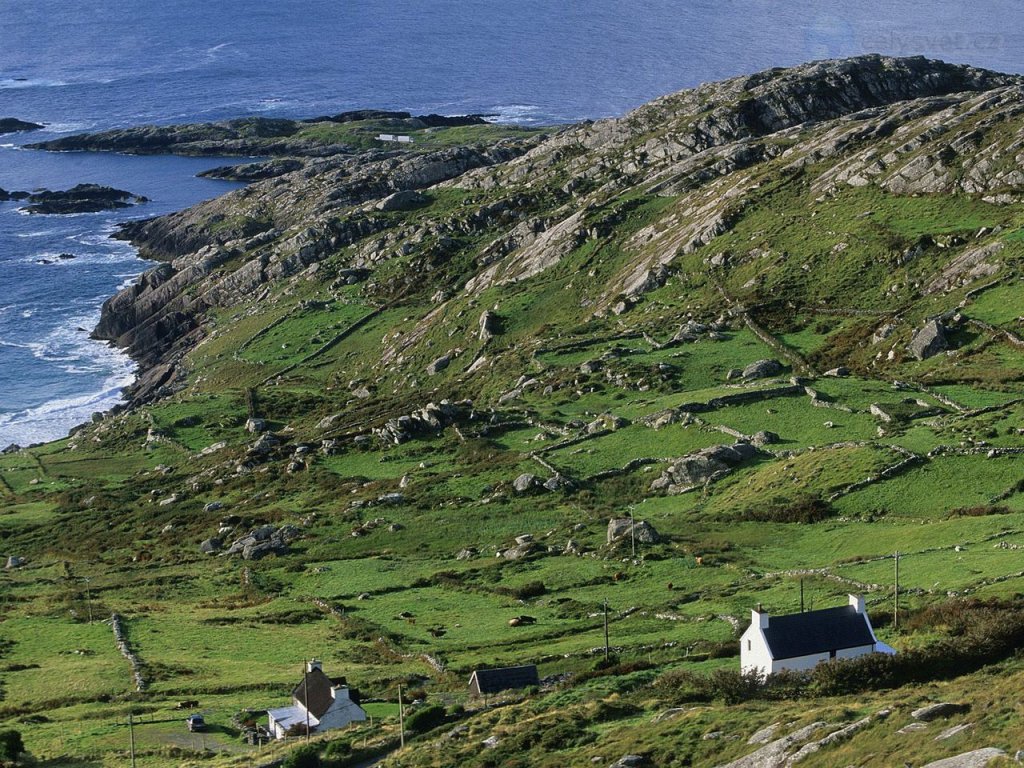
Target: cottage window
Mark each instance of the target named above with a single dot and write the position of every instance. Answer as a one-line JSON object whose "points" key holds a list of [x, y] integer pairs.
{"points": [[748, 645]]}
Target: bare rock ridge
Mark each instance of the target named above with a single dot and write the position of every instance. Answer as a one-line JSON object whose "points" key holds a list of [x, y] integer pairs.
{"points": [[534, 200]]}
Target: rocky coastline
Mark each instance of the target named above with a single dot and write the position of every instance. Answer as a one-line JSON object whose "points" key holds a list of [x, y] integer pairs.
{"points": [[305, 208]]}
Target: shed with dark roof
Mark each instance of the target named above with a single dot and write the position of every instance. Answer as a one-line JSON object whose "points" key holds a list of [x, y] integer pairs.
{"points": [[488, 681], [800, 641]]}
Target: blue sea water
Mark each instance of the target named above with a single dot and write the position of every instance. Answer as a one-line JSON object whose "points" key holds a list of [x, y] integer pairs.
{"points": [[96, 64]]}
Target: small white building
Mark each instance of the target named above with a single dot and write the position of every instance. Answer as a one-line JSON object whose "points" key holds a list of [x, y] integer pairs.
{"points": [[317, 702], [801, 641]]}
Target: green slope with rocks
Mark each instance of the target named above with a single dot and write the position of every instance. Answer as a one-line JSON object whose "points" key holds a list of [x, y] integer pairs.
{"points": [[391, 399]]}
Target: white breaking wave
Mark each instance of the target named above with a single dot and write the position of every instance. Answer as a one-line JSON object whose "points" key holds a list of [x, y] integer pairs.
{"points": [[71, 349], [27, 82], [39, 233], [78, 127], [515, 113], [52, 420]]}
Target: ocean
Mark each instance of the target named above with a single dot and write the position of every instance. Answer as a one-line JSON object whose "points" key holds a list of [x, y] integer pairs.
{"points": [[97, 64]]}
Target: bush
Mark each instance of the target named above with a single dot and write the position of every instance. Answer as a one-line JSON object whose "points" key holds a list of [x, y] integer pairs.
{"points": [[524, 592], [803, 509], [306, 756], [11, 745], [426, 718]]}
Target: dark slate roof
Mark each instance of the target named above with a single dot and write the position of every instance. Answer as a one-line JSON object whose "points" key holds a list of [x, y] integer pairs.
{"points": [[830, 629], [494, 680], [316, 689]]}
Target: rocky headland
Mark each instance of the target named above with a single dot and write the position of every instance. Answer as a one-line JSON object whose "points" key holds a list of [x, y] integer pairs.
{"points": [[257, 136], [902, 125]]}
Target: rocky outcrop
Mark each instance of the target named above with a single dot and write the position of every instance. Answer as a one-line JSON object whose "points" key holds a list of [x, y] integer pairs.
{"points": [[83, 198], [931, 712], [263, 541], [624, 528], [762, 369], [258, 171], [978, 758], [430, 419], [703, 467], [929, 340]]}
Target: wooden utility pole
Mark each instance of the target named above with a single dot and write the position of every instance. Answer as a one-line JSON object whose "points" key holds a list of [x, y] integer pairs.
{"points": [[305, 696], [401, 718], [896, 592], [606, 630], [801, 594], [131, 736]]}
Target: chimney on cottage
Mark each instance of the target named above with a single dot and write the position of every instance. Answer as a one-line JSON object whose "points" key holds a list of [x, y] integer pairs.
{"points": [[759, 617], [340, 692], [314, 664], [857, 601]]}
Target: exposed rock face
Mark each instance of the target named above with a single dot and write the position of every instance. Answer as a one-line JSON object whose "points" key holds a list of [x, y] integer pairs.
{"points": [[929, 341], [431, 418], [405, 200], [762, 369], [438, 365], [978, 758], [525, 482], [704, 466], [941, 709], [488, 326], [263, 541], [249, 172], [622, 528]]}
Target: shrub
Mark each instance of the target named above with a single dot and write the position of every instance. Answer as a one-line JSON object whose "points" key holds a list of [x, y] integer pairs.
{"points": [[11, 745], [426, 718], [803, 509], [524, 592], [306, 756]]}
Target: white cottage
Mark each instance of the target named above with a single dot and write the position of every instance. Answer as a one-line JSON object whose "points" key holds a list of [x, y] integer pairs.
{"points": [[317, 701], [800, 641]]}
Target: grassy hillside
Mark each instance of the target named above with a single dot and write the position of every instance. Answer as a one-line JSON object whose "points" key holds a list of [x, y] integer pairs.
{"points": [[579, 311]]}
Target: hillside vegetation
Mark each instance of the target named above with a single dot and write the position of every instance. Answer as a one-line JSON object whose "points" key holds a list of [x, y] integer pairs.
{"points": [[391, 398]]}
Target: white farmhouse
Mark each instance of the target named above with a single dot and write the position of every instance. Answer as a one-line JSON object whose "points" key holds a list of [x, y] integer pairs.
{"points": [[800, 641], [317, 702]]}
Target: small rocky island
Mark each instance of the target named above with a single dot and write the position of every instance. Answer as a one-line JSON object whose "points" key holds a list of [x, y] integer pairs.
{"points": [[13, 125], [83, 198]]}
